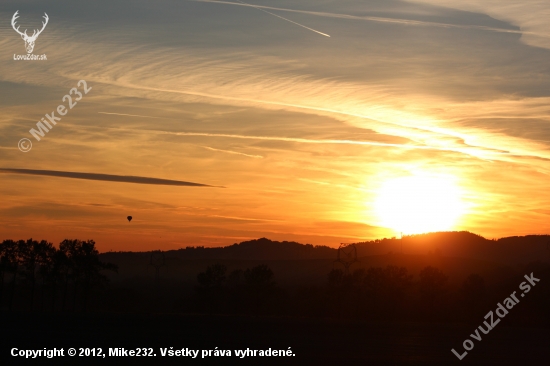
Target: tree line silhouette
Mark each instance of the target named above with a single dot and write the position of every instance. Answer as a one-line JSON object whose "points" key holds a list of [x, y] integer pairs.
{"points": [[379, 292], [37, 276], [64, 275], [388, 293], [240, 291]]}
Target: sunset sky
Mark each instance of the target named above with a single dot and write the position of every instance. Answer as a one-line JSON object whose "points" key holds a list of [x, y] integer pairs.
{"points": [[412, 116]]}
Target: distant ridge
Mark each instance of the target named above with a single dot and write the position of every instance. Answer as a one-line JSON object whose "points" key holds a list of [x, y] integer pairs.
{"points": [[259, 249], [463, 244], [510, 250]]}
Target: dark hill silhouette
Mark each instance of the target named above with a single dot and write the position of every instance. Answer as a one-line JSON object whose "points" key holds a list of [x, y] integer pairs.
{"points": [[511, 250], [258, 249], [461, 253], [453, 243], [462, 244], [410, 305]]}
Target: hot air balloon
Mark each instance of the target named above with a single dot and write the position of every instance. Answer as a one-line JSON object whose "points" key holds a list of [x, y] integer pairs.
{"points": [[129, 218]]}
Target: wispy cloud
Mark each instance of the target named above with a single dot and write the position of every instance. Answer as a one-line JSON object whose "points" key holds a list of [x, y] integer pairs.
{"points": [[128, 115], [242, 218], [372, 18], [530, 15], [103, 177], [411, 96], [327, 141], [233, 152], [255, 81]]}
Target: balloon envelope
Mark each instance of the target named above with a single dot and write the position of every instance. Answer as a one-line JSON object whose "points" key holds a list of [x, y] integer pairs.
{"points": [[129, 218]]}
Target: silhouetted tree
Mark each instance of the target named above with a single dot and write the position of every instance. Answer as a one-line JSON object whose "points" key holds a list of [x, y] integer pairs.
{"points": [[335, 291], [357, 277], [259, 278], [235, 278], [259, 285], [335, 278], [65, 266], [11, 256], [374, 282], [8, 264], [399, 281], [235, 290], [67, 248], [29, 261], [89, 267], [473, 287], [385, 289], [32, 255], [81, 264], [210, 288], [213, 277], [472, 294], [47, 262], [432, 286], [59, 264], [345, 293]]}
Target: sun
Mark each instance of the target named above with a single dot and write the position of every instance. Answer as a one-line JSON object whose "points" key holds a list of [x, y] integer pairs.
{"points": [[419, 204]]}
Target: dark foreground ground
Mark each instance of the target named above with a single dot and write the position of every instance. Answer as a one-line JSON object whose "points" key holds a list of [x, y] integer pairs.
{"points": [[314, 342]]}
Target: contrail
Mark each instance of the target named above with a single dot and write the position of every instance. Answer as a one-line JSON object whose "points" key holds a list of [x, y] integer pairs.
{"points": [[288, 20], [377, 19]]}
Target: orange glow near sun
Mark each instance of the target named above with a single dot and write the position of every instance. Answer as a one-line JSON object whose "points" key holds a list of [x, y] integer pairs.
{"points": [[419, 203]]}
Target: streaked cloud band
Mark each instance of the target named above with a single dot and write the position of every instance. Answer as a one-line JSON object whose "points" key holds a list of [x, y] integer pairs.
{"points": [[104, 177]]}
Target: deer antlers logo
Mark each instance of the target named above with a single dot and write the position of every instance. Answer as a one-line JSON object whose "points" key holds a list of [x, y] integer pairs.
{"points": [[29, 40]]}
